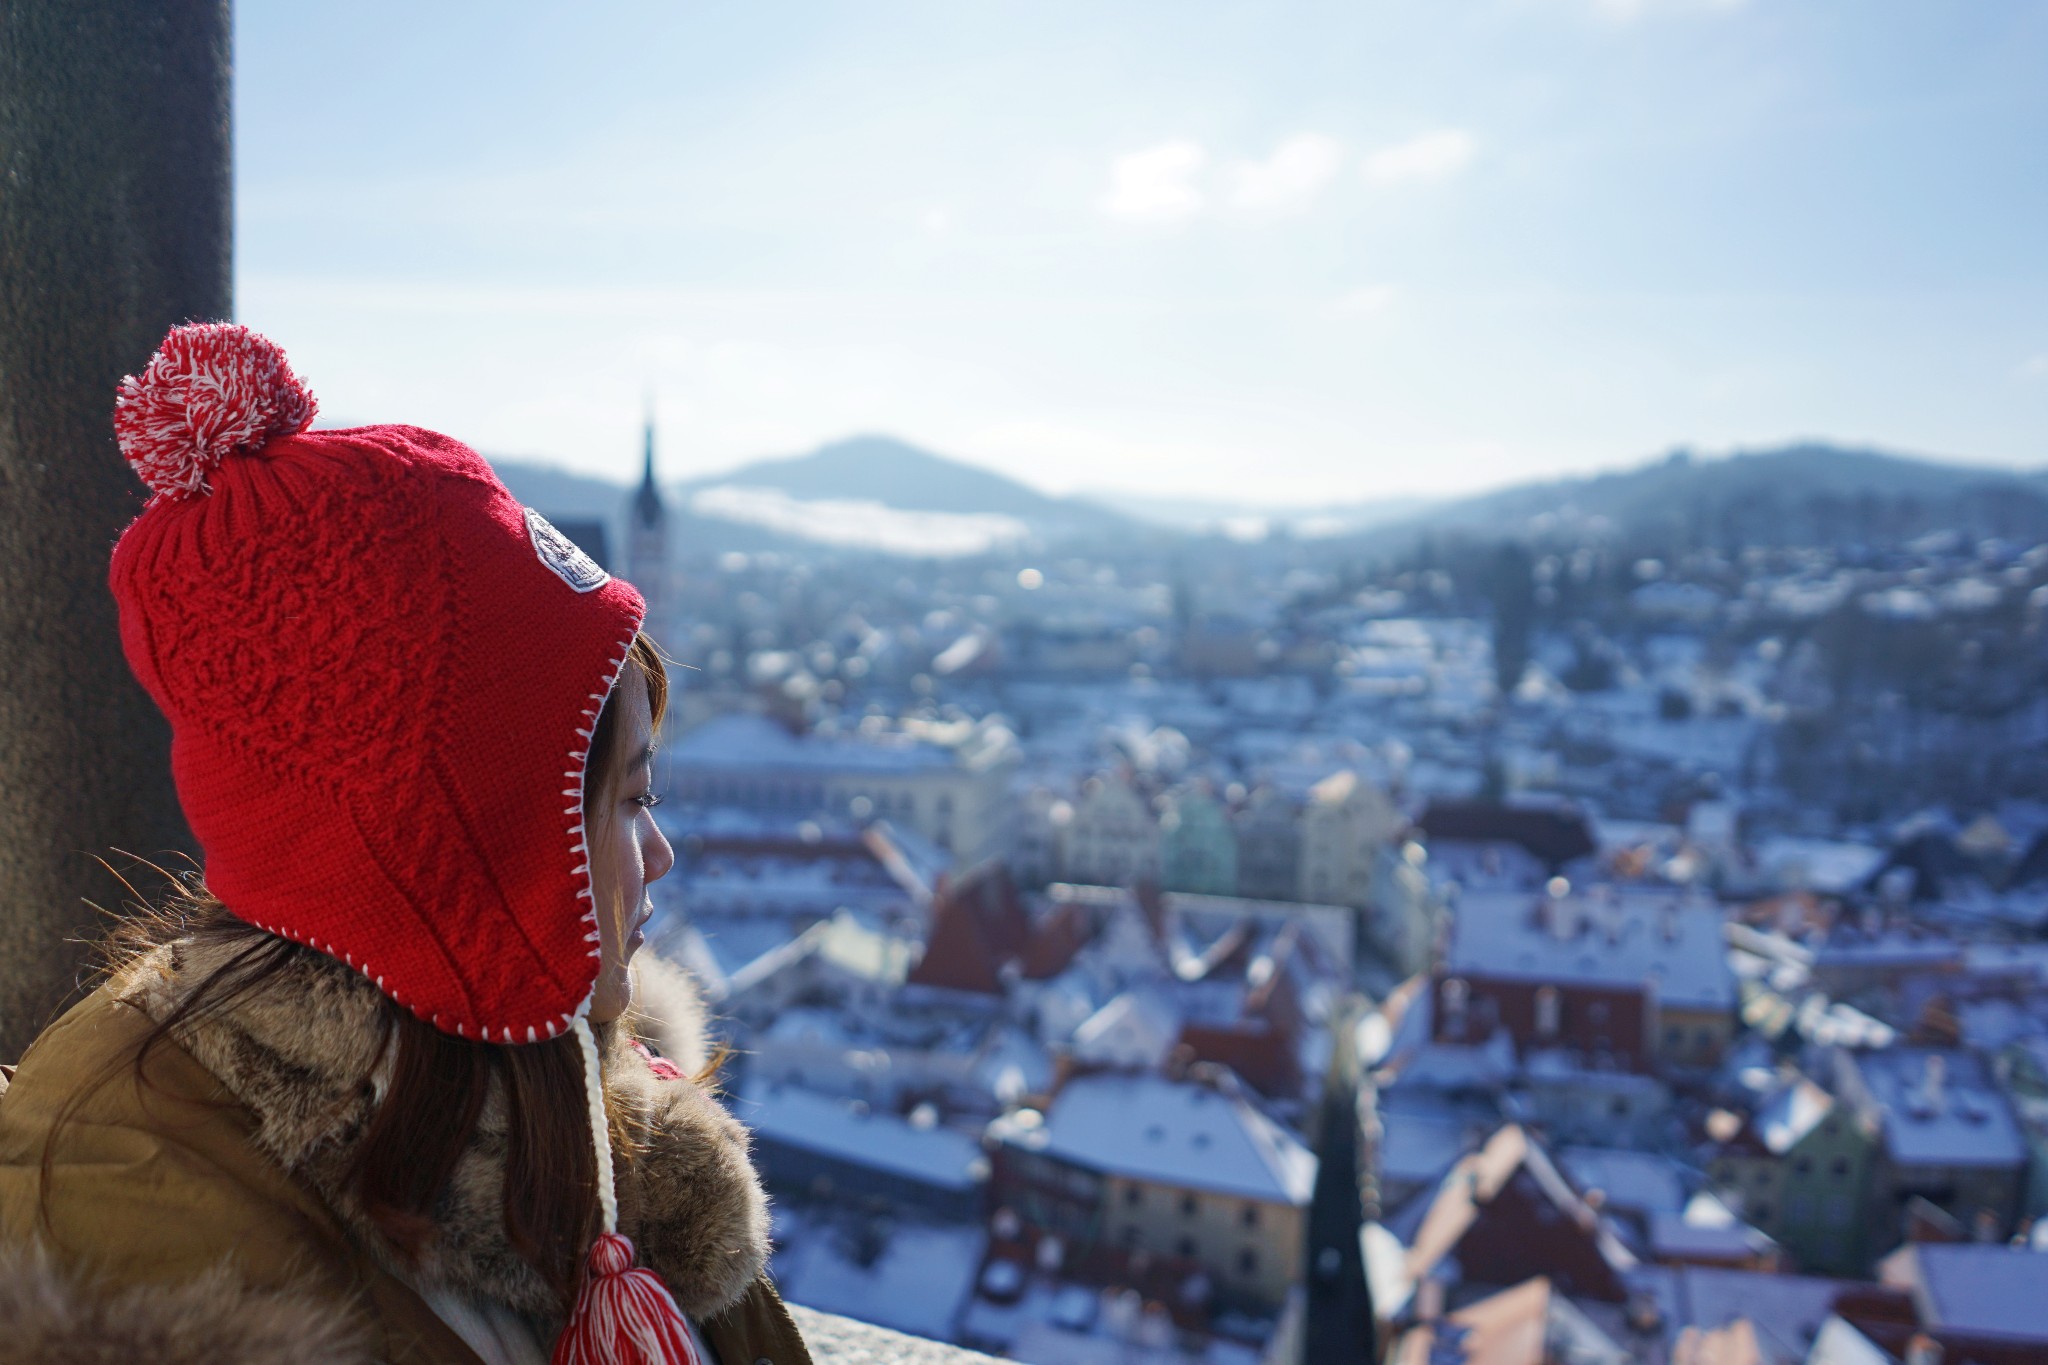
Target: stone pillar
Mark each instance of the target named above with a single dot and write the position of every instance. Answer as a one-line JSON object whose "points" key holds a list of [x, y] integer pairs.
{"points": [[116, 221]]}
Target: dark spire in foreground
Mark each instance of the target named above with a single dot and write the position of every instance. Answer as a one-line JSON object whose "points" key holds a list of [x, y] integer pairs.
{"points": [[1339, 1326], [647, 506]]}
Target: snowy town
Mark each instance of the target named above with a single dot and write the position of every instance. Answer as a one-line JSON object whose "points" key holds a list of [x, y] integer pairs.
{"points": [[1092, 933], [925, 684]]}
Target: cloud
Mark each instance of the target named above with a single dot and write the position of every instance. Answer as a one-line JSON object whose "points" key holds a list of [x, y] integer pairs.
{"points": [[1157, 185], [1362, 303], [862, 523], [1436, 155], [1291, 178]]}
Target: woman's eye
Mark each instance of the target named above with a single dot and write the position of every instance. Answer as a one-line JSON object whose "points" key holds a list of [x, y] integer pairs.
{"points": [[647, 801]]}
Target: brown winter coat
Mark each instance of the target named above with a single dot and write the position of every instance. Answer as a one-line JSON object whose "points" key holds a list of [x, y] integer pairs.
{"points": [[202, 1216]]}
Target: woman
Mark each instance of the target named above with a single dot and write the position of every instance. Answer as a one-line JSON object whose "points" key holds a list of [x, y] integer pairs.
{"points": [[370, 1092]]}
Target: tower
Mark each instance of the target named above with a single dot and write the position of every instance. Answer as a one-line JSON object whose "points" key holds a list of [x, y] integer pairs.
{"points": [[647, 557]]}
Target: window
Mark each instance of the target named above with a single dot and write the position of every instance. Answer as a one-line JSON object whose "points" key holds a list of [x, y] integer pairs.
{"points": [[1130, 1238], [1187, 1206], [1618, 1106], [1247, 1262], [1802, 1166], [1548, 1012], [1251, 1215], [1839, 1168], [1456, 994], [1187, 1247], [1763, 1213], [1133, 1196]]}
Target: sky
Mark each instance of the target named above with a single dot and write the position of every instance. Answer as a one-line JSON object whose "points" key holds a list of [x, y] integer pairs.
{"points": [[1268, 253]]}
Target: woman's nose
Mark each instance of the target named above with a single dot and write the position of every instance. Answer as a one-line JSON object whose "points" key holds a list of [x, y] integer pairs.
{"points": [[661, 856]]}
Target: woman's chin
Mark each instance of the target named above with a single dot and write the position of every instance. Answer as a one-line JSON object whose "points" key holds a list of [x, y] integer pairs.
{"points": [[613, 996]]}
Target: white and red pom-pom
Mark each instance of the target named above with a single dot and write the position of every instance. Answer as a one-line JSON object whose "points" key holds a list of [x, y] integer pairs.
{"points": [[624, 1316], [211, 389]]}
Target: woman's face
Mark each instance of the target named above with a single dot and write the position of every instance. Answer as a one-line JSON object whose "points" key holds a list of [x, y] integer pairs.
{"points": [[627, 851]]}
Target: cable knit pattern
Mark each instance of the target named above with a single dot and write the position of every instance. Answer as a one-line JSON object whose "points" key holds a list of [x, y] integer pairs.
{"points": [[314, 659], [381, 687]]}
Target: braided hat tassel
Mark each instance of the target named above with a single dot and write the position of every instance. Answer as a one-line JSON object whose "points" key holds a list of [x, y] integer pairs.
{"points": [[625, 1314]]}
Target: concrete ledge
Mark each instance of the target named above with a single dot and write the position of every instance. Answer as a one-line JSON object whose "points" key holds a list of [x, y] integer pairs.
{"points": [[842, 1341]]}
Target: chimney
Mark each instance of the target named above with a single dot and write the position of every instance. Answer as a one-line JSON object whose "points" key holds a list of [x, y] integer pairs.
{"points": [[1931, 1084], [1563, 918]]}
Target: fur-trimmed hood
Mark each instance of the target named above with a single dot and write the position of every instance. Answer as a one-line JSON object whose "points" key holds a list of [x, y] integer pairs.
{"points": [[301, 1053]]}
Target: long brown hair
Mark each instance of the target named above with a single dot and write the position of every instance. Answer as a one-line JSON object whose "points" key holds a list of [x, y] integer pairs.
{"points": [[438, 1084]]}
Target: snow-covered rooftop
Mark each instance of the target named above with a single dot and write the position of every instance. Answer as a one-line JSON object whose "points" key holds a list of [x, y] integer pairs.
{"points": [[1992, 1291], [916, 1283], [1790, 1114], [1630, 1181], [1617, 937], [1825, 865], [1417, 1147], [1787, 1310], [756, 743], [1136, 1029], [1170, 1133], [850, 1132], [1673, 1236], [1938, 1108]]}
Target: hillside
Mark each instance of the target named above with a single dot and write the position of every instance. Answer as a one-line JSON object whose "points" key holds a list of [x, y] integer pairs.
{"points": [[903, 476], [867, 493], [878, 493], [1805, 493]]}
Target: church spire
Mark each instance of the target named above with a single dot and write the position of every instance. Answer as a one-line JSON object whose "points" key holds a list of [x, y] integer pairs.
{"points": [[647, 508]]}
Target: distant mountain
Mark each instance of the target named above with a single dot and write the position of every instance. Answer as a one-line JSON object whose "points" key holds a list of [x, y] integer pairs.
{"points": [[1210, 514], [897, 474], [864, 493], [879, 493], [1805, 493]]}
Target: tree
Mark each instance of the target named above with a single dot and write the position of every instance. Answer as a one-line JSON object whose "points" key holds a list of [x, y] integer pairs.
{"points": [[115, 223], [1511, 584]]}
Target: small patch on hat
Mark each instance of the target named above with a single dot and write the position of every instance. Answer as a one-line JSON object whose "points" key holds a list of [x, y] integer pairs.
{"points": [[564, 556]]}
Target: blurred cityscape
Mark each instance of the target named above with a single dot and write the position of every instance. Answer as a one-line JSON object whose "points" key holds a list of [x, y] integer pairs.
{"points": [[1609, 916]]}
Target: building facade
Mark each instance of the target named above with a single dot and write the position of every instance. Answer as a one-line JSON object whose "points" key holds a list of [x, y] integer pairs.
{"points": [[1183, 1171], [1113, 837], [955, 794], [1197, 851], [1268, 832], [1344, 825], [1798, 1168]]}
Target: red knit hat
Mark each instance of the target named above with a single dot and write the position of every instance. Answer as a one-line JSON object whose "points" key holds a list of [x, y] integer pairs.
{"points": [[382, 674]]}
